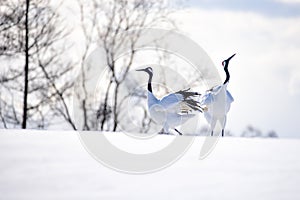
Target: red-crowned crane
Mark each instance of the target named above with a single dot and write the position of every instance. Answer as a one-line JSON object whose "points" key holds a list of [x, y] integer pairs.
{"points": [[217, 101], [171, 110]]}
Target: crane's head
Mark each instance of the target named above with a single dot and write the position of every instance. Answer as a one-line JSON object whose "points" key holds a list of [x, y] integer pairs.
{"points": [[226, 62], [148, 70]]}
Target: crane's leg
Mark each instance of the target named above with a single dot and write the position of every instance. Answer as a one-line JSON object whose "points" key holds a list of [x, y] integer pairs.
{"points": [[212, 126], [177, 131], [163, 132], [224, 124], [166, 129]]}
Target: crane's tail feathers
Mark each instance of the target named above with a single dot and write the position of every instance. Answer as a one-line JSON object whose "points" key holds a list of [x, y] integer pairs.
{"points": [[186, 92], [189, 101]]}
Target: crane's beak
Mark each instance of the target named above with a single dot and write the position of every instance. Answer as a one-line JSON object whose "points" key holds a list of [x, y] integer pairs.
{"points": [[230, 57], [141, 70]]}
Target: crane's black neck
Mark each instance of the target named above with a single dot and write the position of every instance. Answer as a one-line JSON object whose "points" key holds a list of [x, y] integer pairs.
{"points": [[149, 83], [227, 73]]}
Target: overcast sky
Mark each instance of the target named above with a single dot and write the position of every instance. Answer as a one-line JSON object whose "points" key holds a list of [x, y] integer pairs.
{"points": [[270, 8], [265, 73]]}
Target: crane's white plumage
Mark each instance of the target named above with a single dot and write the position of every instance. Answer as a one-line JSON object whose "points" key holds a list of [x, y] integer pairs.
{"points": [[173, 109], [168, 111], [217, 102]]}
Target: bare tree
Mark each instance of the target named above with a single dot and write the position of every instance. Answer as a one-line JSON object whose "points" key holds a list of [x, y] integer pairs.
{"points": [[251, 131], [34, 34], [112, 24], [26, 68]]}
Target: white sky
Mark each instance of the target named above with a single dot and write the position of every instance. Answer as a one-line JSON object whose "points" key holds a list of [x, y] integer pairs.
{"points": [[289, 1], [265, 73]]}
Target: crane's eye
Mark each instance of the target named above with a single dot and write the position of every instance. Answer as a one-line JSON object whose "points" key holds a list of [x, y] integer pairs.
{"points": [[223, 63]]}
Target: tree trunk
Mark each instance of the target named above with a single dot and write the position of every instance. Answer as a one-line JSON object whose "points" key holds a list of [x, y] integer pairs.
{"points": [[24, 123], [115, 107], [105, 106], [85, 115]]}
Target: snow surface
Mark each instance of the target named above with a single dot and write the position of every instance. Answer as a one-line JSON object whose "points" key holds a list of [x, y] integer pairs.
{"points": [[54, 165]]}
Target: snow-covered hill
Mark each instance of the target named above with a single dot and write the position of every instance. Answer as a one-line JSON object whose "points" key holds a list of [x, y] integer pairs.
{"points": [[54, 165]]}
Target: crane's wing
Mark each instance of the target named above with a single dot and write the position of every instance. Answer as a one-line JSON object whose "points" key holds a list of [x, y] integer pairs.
{"points": [[216, 89], [171, 100], [181, 101], [230, 99], [206, 99], [188, 99], [152, 100]]}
